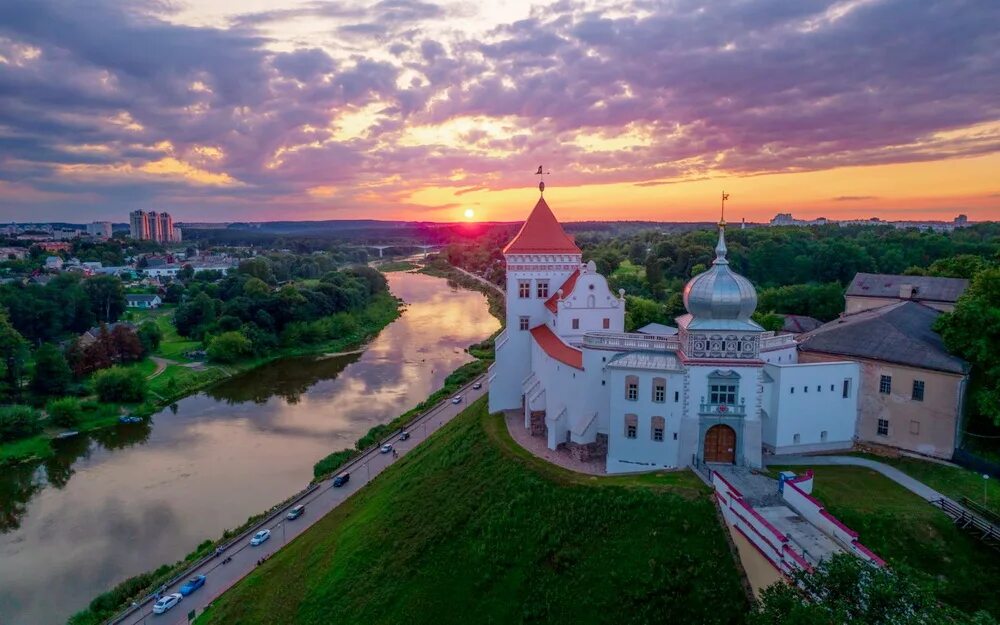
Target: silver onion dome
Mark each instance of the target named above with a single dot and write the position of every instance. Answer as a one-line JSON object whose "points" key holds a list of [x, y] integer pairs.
{"points": [[720, 294]]}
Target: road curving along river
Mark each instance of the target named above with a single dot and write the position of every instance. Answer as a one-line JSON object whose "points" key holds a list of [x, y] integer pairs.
{"points": [[126, 500]]}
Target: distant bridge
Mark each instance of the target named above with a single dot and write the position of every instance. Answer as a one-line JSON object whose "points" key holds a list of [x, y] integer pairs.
{"points": [[381, 247]]}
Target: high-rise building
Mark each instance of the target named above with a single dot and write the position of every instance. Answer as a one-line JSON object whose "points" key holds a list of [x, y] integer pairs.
{"points": [[176, 234], [153, 226], [99, 229], [166, 227], [139, 225]]}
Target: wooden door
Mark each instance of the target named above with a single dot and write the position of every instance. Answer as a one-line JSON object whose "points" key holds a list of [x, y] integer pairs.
{"points": [[720, 444]]}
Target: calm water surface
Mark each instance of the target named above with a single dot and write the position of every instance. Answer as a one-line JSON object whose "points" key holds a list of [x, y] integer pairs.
{"points": [[137, 496]]}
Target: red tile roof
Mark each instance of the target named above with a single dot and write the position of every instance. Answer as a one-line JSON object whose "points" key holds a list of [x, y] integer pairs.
{"points": [[541, 234], [566, 288], [555, 347]]}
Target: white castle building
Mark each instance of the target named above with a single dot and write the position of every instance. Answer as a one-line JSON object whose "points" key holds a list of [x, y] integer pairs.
{"points": [[720, 390]]}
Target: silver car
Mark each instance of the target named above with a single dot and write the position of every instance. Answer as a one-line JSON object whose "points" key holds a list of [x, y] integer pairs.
{"points": [[165, 603]]}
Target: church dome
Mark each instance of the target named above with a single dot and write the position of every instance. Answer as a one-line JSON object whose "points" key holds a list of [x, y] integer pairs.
{"points": [[720, 294]]}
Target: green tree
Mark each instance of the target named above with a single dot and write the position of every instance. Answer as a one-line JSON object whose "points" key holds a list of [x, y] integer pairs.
{"points": [[769, 321], [13, 355], [640, 311], [844, 590], [961, 266], [229, 347], [64, 412], [972, 331], [150, 336], [258, 268], [52, 374], [107, 297], [119, 384], [255, 287]]}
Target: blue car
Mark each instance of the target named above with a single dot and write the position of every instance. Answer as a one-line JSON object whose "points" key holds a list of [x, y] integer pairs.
{"points": [[192, 585]]}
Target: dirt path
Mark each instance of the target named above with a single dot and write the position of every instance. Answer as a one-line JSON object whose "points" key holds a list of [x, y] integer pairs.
{"points": [[161, 366]]}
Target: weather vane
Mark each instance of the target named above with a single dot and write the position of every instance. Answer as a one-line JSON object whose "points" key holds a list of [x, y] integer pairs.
{"points": [[541, 173], [725, 196]]}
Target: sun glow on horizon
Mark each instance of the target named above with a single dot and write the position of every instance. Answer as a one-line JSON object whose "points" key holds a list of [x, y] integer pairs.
{"points": [[469, 213]]}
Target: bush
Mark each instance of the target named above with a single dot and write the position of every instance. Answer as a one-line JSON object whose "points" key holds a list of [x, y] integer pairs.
{"points": [[18, 422], [64, 412], [229, 347], [334, 461], [120, 385]]}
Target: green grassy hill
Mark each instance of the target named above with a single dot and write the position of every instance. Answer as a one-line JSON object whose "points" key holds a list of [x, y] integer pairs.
{"points": [[469, 528]]}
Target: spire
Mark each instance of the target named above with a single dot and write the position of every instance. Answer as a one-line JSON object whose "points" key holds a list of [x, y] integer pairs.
{"points": [[720, 247], [541, 234]]}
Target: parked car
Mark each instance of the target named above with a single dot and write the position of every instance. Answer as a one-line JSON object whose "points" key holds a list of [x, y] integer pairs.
{"points": [[404, 435], [295, 512], [260, 537], [386, 448], [457, 399], [165, 603], [477, 386], [192, 585], [341, 479]]}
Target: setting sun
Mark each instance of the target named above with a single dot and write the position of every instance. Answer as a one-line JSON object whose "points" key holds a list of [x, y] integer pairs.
{"points": [[469, 213]]}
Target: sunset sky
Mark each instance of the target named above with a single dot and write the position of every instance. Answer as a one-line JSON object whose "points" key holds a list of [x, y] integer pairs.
{"points": [[217, 110]]}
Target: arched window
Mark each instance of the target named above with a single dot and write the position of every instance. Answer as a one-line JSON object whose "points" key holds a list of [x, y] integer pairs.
{"points": [[657, 426], [659, 390], [632, 387], [591, 301], [631, 426]]}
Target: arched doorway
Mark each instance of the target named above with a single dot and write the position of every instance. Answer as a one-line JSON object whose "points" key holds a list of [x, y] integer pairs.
{"points": [[720, 444]]}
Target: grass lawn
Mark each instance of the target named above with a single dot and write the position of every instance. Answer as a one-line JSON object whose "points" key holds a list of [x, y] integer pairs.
{"points": [[466, 529], [908, 532], [955, 482]]}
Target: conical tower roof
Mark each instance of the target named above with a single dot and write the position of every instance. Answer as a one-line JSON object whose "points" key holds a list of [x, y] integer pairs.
{"points": [[541, 234]]}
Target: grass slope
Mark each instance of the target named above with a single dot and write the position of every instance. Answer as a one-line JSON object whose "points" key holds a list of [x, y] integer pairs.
{"points": [[468, 528], [908, 532]]}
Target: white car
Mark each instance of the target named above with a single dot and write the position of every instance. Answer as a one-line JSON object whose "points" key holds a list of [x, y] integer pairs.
{"points": [[457, 399], [477, 386], [386, 448], [260, 537], [165, 603]]}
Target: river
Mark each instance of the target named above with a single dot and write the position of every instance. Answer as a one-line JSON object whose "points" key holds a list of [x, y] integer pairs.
{"points": [[128, 499]]}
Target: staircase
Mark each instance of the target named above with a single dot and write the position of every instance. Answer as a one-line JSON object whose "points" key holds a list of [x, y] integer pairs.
{"points": [[973, 518]]}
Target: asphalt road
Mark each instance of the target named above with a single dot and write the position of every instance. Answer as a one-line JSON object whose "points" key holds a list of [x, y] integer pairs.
{"points": [[220, 577]]}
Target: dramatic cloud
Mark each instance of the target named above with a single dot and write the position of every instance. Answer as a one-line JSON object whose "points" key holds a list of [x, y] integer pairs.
{"points": [[342, 108]]}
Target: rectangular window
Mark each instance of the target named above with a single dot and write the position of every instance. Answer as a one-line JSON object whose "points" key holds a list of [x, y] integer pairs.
{"points": [[543, 289], [885, 384], [524, 289], [819, 389], [607, 323], [675, 435], [918, 390], [658, 435], [832, 387], [883, 427], [822, 436], [722, 394], [805, 389], [914, 427], [659, 393], [791, 390], [677, 396], [576, 324], [523, 323], [632, 393], [847, 388]]}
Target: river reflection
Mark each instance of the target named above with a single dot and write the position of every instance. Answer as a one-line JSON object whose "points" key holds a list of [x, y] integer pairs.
{"points": [[136, 496]]}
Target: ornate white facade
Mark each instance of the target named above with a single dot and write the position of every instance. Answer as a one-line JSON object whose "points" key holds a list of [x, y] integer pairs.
{"points": [[720, 390]]}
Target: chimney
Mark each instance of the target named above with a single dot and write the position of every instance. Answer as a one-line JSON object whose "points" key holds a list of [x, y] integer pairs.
{"points": [[907, 291]]}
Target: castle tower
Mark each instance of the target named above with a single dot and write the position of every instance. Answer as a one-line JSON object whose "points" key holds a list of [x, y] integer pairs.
{"points": [[539, 259], [720, 346]]}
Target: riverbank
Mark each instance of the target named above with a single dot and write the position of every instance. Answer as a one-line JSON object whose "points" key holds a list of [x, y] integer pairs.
{"points": [[185, 377], [440, 337]]}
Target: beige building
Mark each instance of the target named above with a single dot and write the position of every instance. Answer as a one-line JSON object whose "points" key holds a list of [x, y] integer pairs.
{"points": [[873, 290], [911, 388]]}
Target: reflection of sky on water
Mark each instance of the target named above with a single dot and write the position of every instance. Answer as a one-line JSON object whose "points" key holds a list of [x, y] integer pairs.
{"points": [[223, 456]]}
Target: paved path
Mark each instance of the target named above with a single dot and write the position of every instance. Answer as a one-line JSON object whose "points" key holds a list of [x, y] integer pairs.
{"points": [[537, 445], [914, 486], [482, 280], [161, 366], [220, 577]]}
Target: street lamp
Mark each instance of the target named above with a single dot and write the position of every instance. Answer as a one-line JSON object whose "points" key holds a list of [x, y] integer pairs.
{"points": [[986, 478]]}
